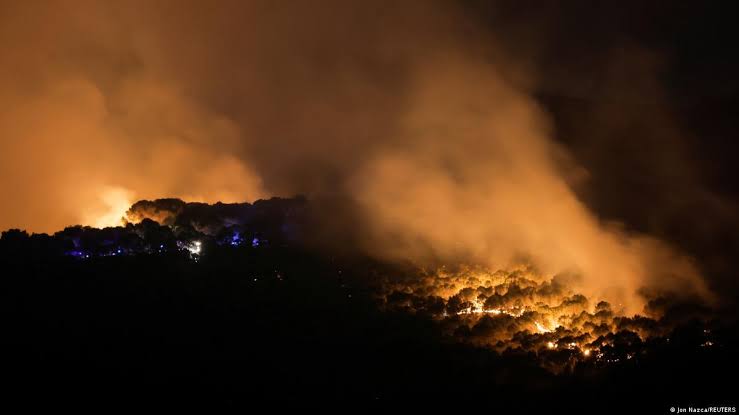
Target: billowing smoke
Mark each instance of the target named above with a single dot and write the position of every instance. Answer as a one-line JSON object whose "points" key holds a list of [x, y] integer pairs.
{"points": [[411, 114], [476, 176], [89, 125]]}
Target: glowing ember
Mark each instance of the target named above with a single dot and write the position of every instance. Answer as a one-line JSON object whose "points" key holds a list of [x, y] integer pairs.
{"points": [[522, 309], [541, 328]]}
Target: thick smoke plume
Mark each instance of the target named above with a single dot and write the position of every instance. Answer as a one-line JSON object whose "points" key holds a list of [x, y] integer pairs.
{"points": [[411, 114], [477, 177]]}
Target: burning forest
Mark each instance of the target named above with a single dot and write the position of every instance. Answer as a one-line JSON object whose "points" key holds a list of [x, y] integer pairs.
{"points": [[521, 311], [486, 203]]}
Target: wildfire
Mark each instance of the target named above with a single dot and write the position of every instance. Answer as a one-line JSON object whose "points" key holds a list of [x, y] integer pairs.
{"points": [[541, 328], [520, 309], [114, 202]]}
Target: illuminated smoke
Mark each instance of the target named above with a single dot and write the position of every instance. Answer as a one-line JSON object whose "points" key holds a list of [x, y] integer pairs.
{"points": [[475, 176], [409, 113], [116, 202]]}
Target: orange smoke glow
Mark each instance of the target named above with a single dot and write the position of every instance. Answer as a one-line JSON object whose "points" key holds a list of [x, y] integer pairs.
{"points": [[114, 202], [416, 117]]}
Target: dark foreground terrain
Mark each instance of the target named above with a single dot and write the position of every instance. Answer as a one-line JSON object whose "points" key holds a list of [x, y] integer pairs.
{"points": [[242, 323]]}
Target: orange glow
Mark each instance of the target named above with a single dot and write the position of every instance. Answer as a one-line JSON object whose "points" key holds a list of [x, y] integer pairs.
{"points": [[443, 155], [114, 202], [518, 309], [541, 328]]}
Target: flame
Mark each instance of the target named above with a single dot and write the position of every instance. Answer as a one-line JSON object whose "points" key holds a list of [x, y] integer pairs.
{"points": [[541, 328], [520, 308], [114, 202]]}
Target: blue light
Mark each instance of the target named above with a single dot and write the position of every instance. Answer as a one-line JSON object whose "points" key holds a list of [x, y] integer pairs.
{"points": [[236, 239]]}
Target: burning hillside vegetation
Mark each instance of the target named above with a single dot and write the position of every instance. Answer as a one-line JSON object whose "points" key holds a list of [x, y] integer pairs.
{"points": [[520, 311]]}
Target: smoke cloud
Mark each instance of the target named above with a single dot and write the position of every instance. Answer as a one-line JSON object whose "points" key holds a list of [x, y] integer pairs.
{"points": [[413, 114]]}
